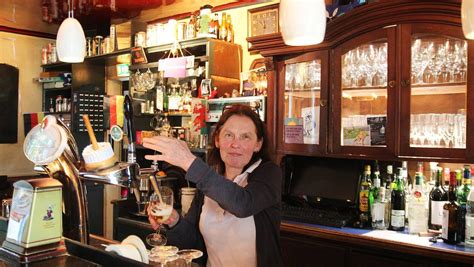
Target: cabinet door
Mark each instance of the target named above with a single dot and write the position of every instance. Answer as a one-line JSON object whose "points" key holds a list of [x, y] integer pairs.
{"points": [[302, 105], [435, 60], [363, 94]]}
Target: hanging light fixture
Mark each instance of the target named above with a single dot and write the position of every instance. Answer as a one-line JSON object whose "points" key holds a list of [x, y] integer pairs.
{"points": [[71, 41], [302, 22], [467, 16]]}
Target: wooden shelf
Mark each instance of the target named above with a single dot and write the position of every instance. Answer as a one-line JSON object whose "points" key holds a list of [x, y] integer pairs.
{"points": [[439, 89], [184, 44], [304, 94]]}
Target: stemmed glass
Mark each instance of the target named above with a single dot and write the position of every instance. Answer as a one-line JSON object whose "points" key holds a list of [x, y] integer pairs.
{"points": [[161, 206]]}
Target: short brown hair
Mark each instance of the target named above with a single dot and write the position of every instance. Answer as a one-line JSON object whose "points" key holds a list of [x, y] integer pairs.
{"points": [[245, 111]]}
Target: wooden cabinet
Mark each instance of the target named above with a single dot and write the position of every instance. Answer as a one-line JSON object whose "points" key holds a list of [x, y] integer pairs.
{"points": [[396, 85], [363, 108], [302, 105], [435, 119]]}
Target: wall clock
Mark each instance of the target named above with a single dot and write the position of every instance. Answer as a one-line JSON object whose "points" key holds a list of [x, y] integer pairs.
{"points": [[263, 20]]}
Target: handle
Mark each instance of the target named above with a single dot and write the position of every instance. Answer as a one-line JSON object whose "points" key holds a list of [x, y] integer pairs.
{"points": [[405, 83], [323, 102], [95, 146], [155, 187], [391, 84], [128, 112]]}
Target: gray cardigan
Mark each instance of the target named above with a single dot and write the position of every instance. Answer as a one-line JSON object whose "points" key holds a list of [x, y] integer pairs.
{"points": [[260, 198]]}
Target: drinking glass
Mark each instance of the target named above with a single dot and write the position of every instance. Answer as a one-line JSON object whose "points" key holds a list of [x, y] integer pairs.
{"points": [[163, 254], [161, 208]]}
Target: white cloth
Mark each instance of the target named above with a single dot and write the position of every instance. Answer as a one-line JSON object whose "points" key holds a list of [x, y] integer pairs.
{"points": [[230, 241]]}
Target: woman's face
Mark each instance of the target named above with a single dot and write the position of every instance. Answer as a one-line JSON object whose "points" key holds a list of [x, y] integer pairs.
{"points": [[237, 141]]}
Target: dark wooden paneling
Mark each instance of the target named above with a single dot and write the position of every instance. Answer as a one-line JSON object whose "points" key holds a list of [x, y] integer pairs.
{"points": [[8, 103]]}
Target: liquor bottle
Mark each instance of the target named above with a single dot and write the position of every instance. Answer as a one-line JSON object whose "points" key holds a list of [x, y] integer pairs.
{"points": [[458, 179], [191, 28], [160, 93], [450, 229], [433, 173], [397, 218], [388, 181], [364, 212], [374, 190], [377, 199], [438, 198], [418, 208], [462, 195], [445, 181], [230, 30], [223, 27], [407, 183], [469, 233], [214, 26], [51, 105]]}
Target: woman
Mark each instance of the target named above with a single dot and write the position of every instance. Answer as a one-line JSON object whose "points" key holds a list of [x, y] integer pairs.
{"points": [[235, 217]]}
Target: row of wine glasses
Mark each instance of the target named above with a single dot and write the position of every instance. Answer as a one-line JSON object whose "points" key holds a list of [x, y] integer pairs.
{"points": [[446, 130], [303, 76], [365, 66], [143, 81], [438, 61]]}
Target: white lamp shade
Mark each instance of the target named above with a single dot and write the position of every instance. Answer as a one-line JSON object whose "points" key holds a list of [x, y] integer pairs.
{"points": [[302, 22], [467, 16], [71, 41]]}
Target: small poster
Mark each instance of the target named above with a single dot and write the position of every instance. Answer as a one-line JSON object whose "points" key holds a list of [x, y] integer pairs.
{"points": [[294, 131], [138, 55], [356, 136], [377, 130], [310, 124]]}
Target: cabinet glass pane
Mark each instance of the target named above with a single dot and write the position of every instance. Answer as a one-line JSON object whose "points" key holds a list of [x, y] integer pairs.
{"points": [[364, 95], [302, 96], [438, 92]]}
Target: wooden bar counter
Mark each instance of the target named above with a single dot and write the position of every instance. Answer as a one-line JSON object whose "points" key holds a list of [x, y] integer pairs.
{"points": [[315, 245]]}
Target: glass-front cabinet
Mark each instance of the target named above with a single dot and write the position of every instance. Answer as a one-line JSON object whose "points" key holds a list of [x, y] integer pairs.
{"points": [[363, 92], [302, 112], [434, 91]]}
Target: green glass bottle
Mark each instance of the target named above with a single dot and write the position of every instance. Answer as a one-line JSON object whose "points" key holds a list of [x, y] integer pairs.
{"points": [[397, 218], [364, 192]]}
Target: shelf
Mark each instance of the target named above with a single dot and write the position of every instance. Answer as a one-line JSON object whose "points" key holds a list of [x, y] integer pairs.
{"points": [[184, 44], [154, 65], [439, 89], [373, 92], [98, 57], [57, 113], [304, 94]]}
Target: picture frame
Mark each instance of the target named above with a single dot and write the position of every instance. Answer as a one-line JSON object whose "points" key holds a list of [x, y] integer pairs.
{"points": [[206, 87], [253, 82]]}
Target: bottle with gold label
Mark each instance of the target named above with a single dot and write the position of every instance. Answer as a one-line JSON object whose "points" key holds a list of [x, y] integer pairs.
{"points": [[230, 30], [223, 27]]}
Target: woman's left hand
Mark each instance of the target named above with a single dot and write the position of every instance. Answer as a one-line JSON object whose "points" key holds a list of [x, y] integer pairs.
{"points": [[173, 151]]}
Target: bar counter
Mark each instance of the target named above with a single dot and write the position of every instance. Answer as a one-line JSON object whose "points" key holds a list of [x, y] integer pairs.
{"points": [[352, 243]]}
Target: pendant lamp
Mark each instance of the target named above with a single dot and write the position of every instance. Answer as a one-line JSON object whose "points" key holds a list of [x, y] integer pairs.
{"points": [[71, 41], [302, 22], [467, 16]]}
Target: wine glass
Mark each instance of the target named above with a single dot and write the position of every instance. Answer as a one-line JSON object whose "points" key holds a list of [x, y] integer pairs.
{"points": [[163, 254], [189, 254], [161, 206]]}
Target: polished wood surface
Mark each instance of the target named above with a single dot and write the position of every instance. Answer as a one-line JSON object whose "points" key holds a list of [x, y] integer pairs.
{"points": [[371, 243]]}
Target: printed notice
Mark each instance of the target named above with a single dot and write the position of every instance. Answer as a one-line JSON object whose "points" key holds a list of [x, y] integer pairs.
{"points": [[294, 131], [377, 130]]}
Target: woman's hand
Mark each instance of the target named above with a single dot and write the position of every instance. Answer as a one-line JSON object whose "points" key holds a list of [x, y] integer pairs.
{"points": [[172, 220], [173, 151]]}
